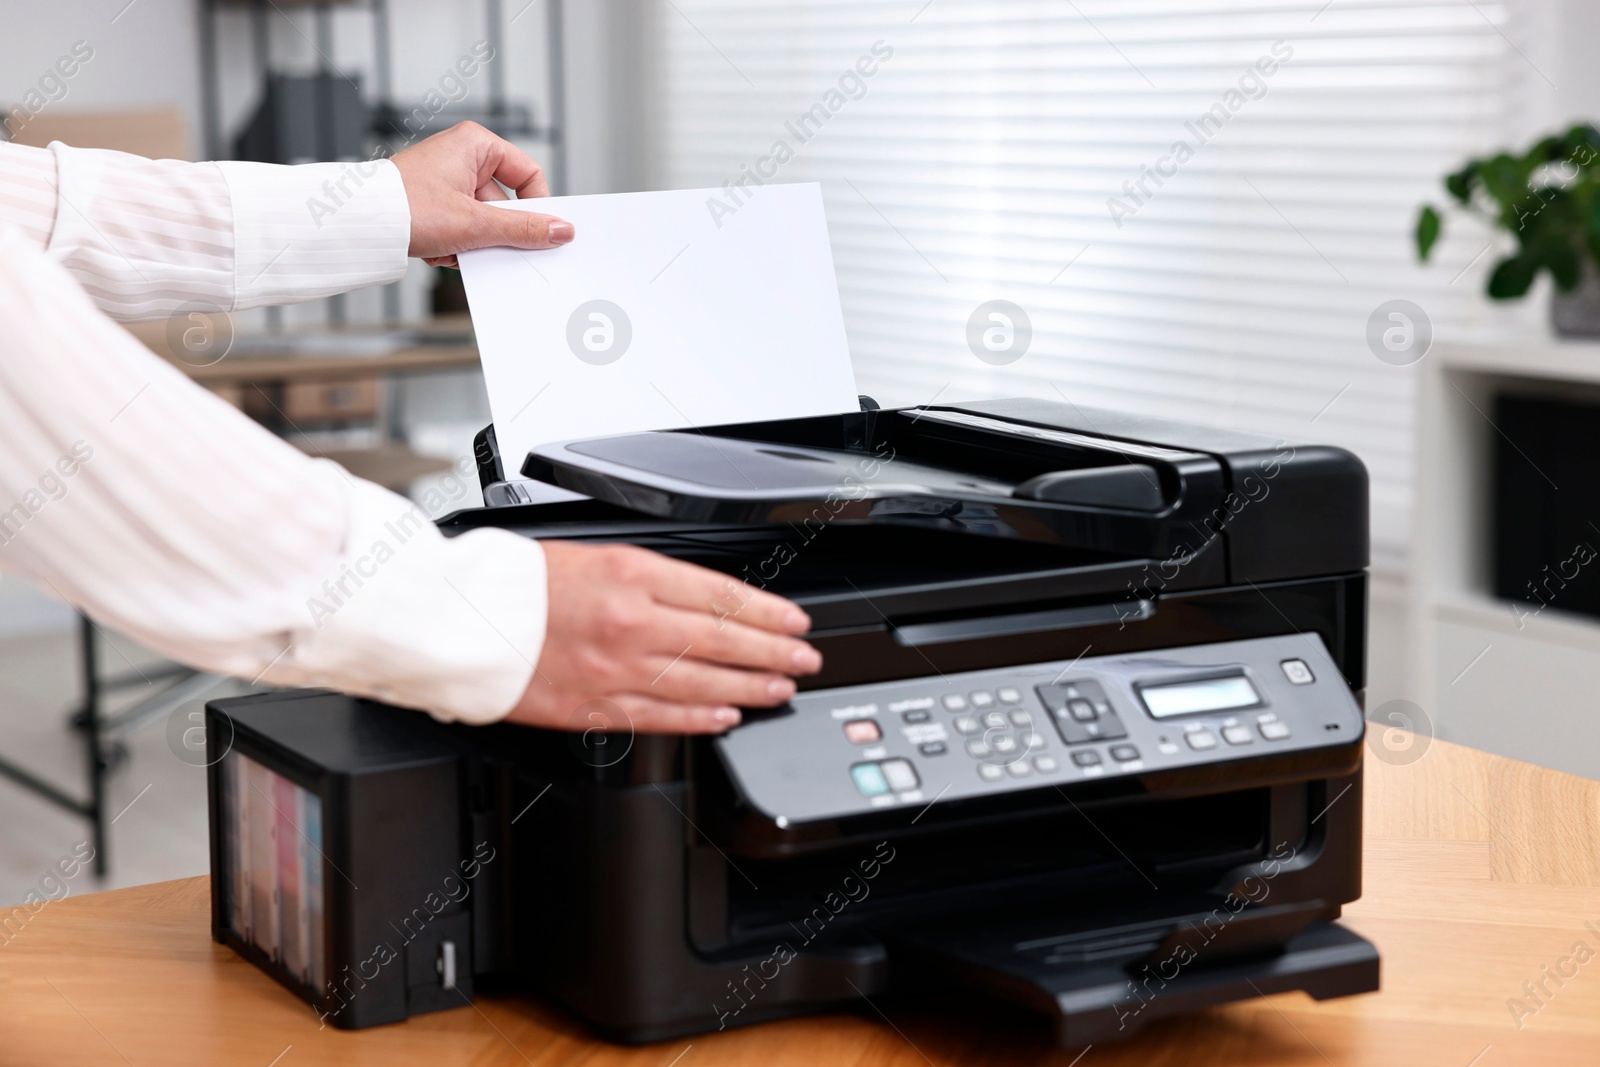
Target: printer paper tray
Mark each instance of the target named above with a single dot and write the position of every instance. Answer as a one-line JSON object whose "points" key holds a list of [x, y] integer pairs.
{"points": [[1104, 981]]}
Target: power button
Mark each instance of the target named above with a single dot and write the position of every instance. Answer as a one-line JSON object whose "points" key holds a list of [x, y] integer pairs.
{"points": [[1297, 672]]}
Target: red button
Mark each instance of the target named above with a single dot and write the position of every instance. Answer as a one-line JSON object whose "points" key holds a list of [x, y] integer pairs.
{"points": [[862, 731]]}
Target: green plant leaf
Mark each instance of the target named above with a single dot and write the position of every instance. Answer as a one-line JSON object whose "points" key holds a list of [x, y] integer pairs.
{"points": [[1546, 197], [1504, 178], [1547, 213], [1427, 231], [1562, 260], [1547, 150], [1584, 149], [1581, 135], [1512, 277]]}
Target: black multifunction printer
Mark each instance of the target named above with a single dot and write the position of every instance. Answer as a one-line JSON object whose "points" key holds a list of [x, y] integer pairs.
{"points": [[1087, 739]]}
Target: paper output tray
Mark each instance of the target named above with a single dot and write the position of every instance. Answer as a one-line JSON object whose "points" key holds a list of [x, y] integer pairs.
{"points": [[1104, 981]]}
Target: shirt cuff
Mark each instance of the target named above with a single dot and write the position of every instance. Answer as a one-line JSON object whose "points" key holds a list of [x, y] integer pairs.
{"points": [[315, 229], [451, 626]]}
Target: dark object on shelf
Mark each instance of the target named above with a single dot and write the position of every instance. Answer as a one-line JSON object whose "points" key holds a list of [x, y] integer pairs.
{"points": [[1577, 313], [449, 296], [395, 127], [306, 119], [385, 129], [1108, 785], [385, 120], [1546, 467]]}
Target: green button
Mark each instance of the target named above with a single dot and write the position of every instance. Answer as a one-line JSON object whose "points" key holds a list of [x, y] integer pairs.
{"points": [[869, 779]]}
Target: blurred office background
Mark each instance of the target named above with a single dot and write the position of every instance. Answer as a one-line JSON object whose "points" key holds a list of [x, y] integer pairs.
{"points": [[969, 151]]}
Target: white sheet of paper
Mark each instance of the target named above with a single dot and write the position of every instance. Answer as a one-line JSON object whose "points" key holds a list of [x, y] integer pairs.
{"points": [[657, 317]]}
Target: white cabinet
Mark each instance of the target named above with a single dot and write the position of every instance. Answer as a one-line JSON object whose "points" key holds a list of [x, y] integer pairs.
{"points": [[1489, 673]]}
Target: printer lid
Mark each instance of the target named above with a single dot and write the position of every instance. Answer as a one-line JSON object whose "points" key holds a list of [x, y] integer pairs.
{"points": [[950, 467]]}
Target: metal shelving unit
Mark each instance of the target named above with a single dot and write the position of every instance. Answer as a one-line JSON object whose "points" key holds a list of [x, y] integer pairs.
{"points": [[506, 118]]}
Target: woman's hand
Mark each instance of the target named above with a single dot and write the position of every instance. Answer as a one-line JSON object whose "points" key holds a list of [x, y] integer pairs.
{"points": [[659, 645], [447, 178]]}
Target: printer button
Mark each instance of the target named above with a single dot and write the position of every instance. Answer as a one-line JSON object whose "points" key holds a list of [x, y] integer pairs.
{"points": [[1201, 740], [915, 716], [990, 773], [1081, 710], [1055, 697], [1073, 733], [1086, 757], [932, 748], [1021, 718], [1107, 728], [966, 724], [981, 698], [862, 731], [1237, 735], [1045, 764], [1031, 739], [1005, 744], [901, 776], [869, 779], [1124, 753], [1297, 672], [977, 749], [1009, 694], [1274, 731], [955, 702], [1018, 769], [995, 720]]}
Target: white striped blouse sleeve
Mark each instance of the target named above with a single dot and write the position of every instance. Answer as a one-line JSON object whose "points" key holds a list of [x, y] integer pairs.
{"points": [[131, 492], [145, 237], [28, 191]]}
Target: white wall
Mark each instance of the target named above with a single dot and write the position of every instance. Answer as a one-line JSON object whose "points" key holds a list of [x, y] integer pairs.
{"points": [[1562, 42], [146, 57]]}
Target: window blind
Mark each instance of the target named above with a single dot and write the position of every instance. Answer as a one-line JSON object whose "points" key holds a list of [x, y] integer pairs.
{"points": [[1027, 151]]}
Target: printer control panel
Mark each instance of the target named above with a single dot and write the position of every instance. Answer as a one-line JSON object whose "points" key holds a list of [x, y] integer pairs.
{"points": [[917, 741]]}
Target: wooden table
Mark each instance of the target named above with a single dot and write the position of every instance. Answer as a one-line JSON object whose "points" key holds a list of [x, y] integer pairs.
{"points": [[259, 381], [411, 359], [444, 344], [1480, 872]]}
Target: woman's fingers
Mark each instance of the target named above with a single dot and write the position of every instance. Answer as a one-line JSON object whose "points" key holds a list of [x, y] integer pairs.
{"points": [[519, 229], [699, 589], [662, 645], [598, 720], [647, 714], [513, 168], [734, 644], [694, 681]]}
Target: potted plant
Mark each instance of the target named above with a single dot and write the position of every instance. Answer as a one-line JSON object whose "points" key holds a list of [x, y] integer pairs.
{"points": [[1548, 199]]}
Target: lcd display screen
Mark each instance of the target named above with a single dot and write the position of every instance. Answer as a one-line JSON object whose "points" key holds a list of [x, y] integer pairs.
{"points": [[1192, 698]]}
